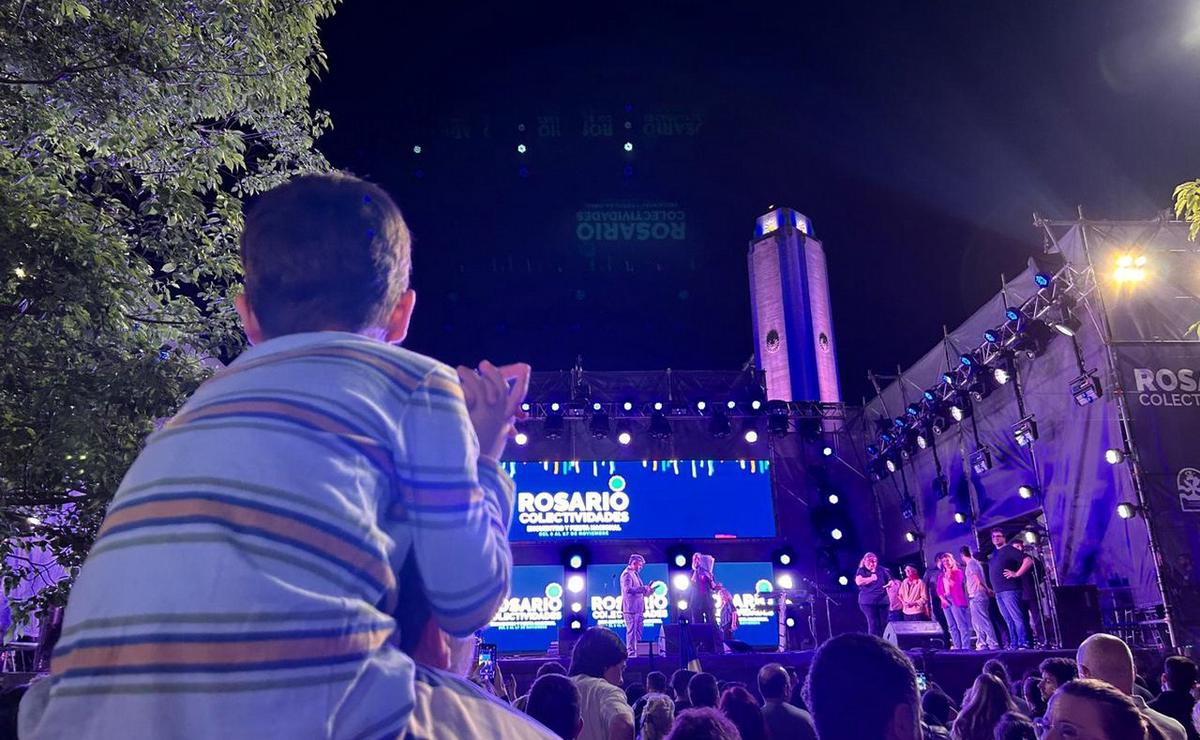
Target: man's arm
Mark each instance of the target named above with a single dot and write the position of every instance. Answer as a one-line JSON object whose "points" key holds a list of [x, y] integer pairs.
{"points": [[621, 728], [457, 504], [1026, 564]]}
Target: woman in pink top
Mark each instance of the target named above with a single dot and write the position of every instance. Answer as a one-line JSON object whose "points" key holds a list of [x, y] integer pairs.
{"points": [[953, 595]]}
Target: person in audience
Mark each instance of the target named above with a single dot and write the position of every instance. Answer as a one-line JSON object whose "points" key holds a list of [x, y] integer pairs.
{"points": [[1176, 700], [633, 692], [796, 697], [872, 597], [545, 669], [656, 682], [862, 688], [937, 708], [657, 717], [1108, 658], [1031, 692], [986, 702], [741, 708], [317, 463], [702, 690], [704, 723], [979, 597], [914, 599], [598, 668], [1088, 709], [1055, 672], [679, 684], [554, 701], [953, 596], [996, 667], [1195, 715], [783, 721], [1015, 726], [1006, 567]]}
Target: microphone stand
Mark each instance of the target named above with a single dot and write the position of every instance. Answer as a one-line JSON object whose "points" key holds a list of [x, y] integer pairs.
{"points": [[828, 614]]}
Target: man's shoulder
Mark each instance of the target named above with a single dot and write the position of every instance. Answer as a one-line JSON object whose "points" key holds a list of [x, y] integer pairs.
{"points": [[446, 702]]}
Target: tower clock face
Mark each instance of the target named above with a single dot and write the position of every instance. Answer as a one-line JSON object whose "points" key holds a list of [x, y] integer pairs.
{"points": [[773, 341]]}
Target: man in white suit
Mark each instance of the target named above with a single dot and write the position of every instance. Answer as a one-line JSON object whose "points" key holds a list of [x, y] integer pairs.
{"points": [[633, 602]]}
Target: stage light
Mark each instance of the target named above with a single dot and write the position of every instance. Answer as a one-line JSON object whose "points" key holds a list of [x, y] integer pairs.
{"points": [[843, 581], [938, 425], [1130, 269], [836, 533], [681, 582], [1001, 375], [890, 465], [575, 562], [790, 622], [1068, 326], [981, 460], [576, 607], [1014, 315], [521, 438], [827, 451], [628, 405], [597, 406], [785, 559], [719, 426], [1126, 510], [922, 441], [913, 409], [629, 146], [1043, 280], [1032, 339], [1030, 538], [575, 583], [556, 407], [658, 405], [966, 360], [777, 417], [1086, 389], [750, 436], [960, 518], [660, 428], [908, 506], [554, 427], [731, 405], [929, 396], [992, 336], [910, 536], [624, 437], [599, 426], [33, 521], [701, 405], [949, 379], [833, 499], [1025, 431], [960, 407], [526, 407], [784, 581], [682, 605], [521, 149], [417, 149], [756, 404], [1114, 456], [681, 561], [576, 624], [1025, 491]]}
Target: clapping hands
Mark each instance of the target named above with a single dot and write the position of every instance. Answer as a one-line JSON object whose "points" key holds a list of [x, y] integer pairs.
{"points": [[493, 396]]}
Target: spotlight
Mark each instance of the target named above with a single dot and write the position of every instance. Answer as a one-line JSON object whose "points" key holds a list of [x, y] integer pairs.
{"points": [[575, 562], [526, 406], [1130, 269], [784, 581], [660, 428], [777, 417], [1068, 326], [628, 405], [417, 149], [1114, 456], [624, 437], [1032, 339], [980, 387], [960, 407], [680, 581], [1014, 315], [1126, 510], [521, 438], [554, 427], [576, 607], [981, 460], [1025, 431], [890, 465], [1001, 375], [922, 440], [835, 533], [576, 624], [682, 605], [949, 379], [833, 499], [575, 583], [1086, 389], [938, 425], [785, 559], [521, 149], [681, 561], [913, 409], [1043, 280], [1025, 491], [718, 425], [790, 622], [556, 407], [966, 360], [597, 406], [843, 581], [598, 425], [658, 405], [750, 436], [929, 396], [701, 405], [992, 336], [628, 146], [827, 451], [910, 536], [960, 518], [756, 404], [908, 506], [1030, 538], [731, 405], [33, 521]]}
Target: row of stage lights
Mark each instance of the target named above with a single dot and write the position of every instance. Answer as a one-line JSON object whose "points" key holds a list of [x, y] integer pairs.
{"points": [[779, 419]]}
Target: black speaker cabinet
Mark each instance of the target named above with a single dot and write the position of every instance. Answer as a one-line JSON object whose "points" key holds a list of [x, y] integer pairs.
{"points": [[705, 637], [1079, 613], [915, 635]]}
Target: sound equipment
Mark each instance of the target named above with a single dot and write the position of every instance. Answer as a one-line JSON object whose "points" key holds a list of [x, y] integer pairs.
{"points": [[706, 638], [737, 646], [1079, 613], [915, 635]]}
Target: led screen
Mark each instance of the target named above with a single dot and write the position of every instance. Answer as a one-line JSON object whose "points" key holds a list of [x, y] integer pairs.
{"points": [[529, 619]]}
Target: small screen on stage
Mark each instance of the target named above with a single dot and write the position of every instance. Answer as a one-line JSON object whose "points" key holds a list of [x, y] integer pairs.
{"points": [[604, 598], [751, 585], [642, 500], [529, 619]]}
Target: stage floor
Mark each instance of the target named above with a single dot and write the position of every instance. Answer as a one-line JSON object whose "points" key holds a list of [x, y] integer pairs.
{"points": [[953, 670]]}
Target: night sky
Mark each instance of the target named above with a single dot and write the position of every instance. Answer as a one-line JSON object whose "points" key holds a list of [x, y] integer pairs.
{"points": [[919, 138]]}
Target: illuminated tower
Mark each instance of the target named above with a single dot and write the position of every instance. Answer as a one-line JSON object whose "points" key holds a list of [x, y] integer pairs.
{"points": [[789, 300]]}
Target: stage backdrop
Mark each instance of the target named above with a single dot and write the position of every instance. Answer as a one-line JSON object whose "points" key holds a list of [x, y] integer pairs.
{"points": [[529, 618]]}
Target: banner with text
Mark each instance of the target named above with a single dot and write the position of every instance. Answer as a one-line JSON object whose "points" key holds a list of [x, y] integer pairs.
{"points": [[750, 585], [529, 618]]}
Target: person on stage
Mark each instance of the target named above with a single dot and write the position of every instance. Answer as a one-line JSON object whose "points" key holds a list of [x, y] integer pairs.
{"points": [[1005, 568], [703, 587], [729, 616], [1030, 603], [980, 598], [633, 602], [952, 593], [872, 598], [914, 598]]}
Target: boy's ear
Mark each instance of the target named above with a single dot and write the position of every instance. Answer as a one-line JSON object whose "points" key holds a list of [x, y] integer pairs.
{"points": [[397, 324], [249, 320]]}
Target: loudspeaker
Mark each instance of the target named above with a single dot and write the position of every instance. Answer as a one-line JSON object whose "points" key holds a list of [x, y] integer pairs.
{"points": [[915, 635], [737, 646], [1079, 614], [705, 638]]}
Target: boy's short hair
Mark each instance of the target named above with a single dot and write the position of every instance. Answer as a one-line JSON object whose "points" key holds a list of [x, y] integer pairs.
{"points": [[324, 252], [849, 667]]}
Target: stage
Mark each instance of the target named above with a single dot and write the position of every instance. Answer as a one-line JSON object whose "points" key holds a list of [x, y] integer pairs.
{"points": [[952, 670]]}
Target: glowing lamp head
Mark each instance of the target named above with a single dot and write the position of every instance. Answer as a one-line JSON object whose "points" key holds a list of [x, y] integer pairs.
{"points": [[576, 562], [682, 605], [521, 438], [959, 517], [1042, 280], [680, 561], [575, 584], [1126, 510], [785, 559], [576, 624], [756, 404], [1025, 491], [891, 465], [33, 521], [680, 582], [1114, 456], [784, 581], [843, 581], [827, 451], [596, 406], [1130, 268], [751, 436], [956, 413], [731, 405], [790, 622], [624, 438], [576, 607], [834, 499], [910, 536], [521, 148], [628, 405], [628, 146], [1030, 538], [701, 405], [556, 407], [1001, 375], [836, 533]]}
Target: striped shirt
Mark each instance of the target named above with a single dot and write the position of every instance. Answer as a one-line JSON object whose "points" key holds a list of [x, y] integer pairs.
{"points": [[244, 581]]}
